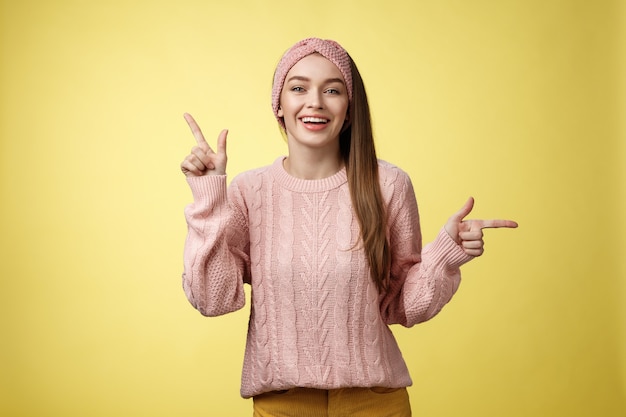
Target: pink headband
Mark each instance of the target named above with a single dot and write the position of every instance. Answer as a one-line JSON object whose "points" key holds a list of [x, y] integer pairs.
{"points": [[329, 49]]}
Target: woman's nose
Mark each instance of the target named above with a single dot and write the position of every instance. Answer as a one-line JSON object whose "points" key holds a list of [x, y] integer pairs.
{"points": [[315, 99]]}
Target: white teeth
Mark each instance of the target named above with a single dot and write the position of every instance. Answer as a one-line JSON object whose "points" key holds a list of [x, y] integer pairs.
{"points": [[314, 120]]}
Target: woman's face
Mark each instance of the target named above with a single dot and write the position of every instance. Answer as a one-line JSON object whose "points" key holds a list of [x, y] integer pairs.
{"points": [[314, 103]]}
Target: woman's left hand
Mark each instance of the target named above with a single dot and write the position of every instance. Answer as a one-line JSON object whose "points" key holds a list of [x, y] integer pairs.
{"points": [[469, 233]]}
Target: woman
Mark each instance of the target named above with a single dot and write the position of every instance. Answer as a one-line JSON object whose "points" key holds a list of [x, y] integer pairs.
{"points": [[329, 239]]}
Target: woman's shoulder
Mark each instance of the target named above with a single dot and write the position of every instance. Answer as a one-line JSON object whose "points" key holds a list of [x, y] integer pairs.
{"points": [[252, 176], [395, 185], [390, 173]]}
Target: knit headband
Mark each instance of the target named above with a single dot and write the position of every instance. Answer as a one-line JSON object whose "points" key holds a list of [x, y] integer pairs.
{"points": [[329, 49]]}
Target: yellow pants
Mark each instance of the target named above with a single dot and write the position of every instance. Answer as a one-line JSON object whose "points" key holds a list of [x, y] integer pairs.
{"points": [[345, 402]]}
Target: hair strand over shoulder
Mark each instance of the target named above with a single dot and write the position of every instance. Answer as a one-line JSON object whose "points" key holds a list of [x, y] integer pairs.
{"points": [[359, 154]]}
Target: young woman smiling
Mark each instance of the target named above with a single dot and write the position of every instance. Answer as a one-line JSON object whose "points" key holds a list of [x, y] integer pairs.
{"points": [[329, 239]]}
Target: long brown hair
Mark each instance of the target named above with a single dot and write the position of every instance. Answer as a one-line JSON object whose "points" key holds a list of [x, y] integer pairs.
{"points": [[359, 155]]}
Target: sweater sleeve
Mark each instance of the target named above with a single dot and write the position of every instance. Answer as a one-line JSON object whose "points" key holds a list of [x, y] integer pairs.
{"points": [[216, 261], [422, 280]]}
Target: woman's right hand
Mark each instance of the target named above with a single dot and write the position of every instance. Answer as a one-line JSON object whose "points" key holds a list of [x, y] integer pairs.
{"points": [[203, 160]]}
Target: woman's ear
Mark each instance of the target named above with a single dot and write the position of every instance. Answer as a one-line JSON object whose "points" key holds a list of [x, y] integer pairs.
{"points": [[346, 125], [346, 122], [279, 112]]}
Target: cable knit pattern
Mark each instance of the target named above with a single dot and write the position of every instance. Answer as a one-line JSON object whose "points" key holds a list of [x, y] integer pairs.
{"points": [[317, 319], [343, 260], [288, 338]]}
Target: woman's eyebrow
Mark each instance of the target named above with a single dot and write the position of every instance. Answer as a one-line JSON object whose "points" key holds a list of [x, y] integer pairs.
{"points": [[334, 80], [298, 78], [328, 81]]}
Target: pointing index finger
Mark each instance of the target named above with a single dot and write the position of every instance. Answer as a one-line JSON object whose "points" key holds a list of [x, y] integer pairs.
{"points": [[197, 133], [494, 224]]}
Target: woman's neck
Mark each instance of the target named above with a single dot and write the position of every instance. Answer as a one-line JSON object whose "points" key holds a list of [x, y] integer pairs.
{"points": [[313, 166]]}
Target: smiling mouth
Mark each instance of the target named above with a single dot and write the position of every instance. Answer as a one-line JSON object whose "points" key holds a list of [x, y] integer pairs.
{"points": [[314, 120]]}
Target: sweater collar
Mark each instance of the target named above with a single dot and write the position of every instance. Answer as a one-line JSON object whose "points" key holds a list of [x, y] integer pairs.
{"points": [[308, 186]]}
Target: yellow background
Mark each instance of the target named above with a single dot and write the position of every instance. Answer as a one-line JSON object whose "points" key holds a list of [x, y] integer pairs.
{"points": [[519, 103]]}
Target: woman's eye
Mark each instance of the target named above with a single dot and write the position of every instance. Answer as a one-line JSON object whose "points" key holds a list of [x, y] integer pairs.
{"points": [[333, 91], [297, 89]]}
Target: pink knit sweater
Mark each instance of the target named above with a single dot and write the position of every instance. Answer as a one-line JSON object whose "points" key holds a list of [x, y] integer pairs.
{"points": [[317, 319]]}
